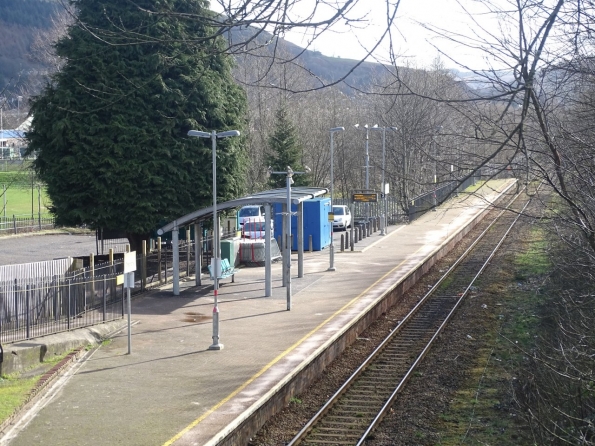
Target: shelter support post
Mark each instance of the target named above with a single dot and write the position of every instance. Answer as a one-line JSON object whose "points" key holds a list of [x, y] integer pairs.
{"points": [[284, 243], [300, 238], [176, 260], [197, 253], [268, 279]]}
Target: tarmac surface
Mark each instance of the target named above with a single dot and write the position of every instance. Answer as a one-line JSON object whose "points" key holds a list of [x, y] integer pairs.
{"points": [[34, 247], [172, 389]]}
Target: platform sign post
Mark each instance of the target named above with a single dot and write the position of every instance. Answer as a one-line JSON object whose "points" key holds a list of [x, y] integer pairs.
{"points": [[129, 269]]}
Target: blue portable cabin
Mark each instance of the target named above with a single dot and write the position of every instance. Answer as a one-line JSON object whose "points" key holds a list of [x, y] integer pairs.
{"points": [[316, 223]]}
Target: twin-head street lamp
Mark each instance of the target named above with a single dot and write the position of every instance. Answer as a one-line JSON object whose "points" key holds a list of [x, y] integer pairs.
{"points": [[367, 127], [216, 261], [383, 188], [332, 247]]}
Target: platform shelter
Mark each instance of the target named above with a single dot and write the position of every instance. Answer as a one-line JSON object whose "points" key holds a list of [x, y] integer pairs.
{"points": [[295, 196]]}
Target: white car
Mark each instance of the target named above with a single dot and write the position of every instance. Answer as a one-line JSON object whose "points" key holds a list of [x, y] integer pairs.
{"points": [[255, 229], [250, 213], [342, 219]]}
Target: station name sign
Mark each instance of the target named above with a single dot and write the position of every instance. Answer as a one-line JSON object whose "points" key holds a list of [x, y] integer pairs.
{"points": [[365, 197]]}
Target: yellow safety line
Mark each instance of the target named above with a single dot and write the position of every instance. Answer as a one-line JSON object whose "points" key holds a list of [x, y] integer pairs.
{"points": [[274, 361]]}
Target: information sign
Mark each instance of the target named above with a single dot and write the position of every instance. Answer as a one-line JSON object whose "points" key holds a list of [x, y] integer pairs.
{"points": [[365, 197], [129, 262]]}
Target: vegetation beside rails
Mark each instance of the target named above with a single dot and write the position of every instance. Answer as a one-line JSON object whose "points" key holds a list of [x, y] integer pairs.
{"points": [[485, 410], [16, 388]]}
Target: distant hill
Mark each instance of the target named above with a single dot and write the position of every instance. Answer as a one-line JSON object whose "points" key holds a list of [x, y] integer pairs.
{"points": [[21, 20]]}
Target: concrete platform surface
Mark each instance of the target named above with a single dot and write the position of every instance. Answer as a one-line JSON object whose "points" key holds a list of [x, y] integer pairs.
{"points": [[172, 389]]}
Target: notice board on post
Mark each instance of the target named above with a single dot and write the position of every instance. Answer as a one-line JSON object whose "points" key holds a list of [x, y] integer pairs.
{"points": [[364, 196]]}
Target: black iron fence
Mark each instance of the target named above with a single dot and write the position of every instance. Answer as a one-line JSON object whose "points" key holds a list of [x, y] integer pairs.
{"points": [[30, 309], [389, 204]]}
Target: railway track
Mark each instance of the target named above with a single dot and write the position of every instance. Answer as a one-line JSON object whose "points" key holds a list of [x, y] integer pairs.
{"points": [[358, 407]]}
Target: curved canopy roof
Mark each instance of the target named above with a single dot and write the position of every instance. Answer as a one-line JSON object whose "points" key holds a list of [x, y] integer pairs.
{"points": [[298, 194]]}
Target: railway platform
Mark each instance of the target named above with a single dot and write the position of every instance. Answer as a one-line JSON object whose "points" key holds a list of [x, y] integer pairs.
{"points": [[173, 390]]}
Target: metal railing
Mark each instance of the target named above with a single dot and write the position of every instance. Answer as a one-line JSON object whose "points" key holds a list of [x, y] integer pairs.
{"points": [[423, 203], [25, 223], [393, 210], [30, 309], [36, 306]]}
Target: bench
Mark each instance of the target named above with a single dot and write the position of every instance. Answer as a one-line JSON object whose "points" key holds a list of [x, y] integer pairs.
{"points": [[226, 271]]}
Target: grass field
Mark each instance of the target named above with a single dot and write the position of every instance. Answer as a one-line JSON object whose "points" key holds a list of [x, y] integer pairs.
{"points": [[18, 201]]}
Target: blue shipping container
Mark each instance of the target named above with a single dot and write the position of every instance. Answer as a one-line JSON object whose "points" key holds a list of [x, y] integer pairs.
{"points": [[316, 223]]}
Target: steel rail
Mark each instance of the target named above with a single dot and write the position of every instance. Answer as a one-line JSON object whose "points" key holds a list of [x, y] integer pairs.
{"points": [[349, 383]]}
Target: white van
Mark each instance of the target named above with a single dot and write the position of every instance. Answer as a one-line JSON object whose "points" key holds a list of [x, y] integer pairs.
{"points": [[250, 213]]}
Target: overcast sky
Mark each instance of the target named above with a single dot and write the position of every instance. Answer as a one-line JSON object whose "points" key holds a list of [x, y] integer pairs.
{"points": [[409, 38]]}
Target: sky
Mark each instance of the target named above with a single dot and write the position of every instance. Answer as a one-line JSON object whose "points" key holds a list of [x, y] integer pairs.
{"points": [[409, 38]]}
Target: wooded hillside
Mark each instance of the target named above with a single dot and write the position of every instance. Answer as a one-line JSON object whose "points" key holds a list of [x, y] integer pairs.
{"points": [[20, 21]]}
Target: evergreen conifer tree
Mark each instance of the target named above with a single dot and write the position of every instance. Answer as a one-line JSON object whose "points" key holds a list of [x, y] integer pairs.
{"points": [[110, 131], [285, 150]]}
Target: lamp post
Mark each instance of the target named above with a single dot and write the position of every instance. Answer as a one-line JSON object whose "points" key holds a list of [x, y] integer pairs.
{"points": [[289, 173], [215, 262], [367, 162], [383, 187], [438, 128], [332, 247]]}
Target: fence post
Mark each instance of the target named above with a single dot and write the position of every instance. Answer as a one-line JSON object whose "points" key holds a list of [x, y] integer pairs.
{"points": [[159, 259], [92, 272], [57, 290], [39, 205], [198, 253], [69, 304], [104, 297], [27, 309], [111, 260], [16, 303], [143, 266], [188, 251], [14, 223]]}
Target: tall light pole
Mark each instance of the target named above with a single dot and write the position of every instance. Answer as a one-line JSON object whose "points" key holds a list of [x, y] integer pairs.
{"points": [[332, 247], [216, 261], [367, 162], [383, 187], [438, 128], [289, 173]]}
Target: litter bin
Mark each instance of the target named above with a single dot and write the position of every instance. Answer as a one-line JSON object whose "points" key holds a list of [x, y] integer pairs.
{"points": [[229, 250]]}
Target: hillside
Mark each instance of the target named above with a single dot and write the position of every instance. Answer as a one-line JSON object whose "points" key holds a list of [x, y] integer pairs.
{"points": [[22, 20]]}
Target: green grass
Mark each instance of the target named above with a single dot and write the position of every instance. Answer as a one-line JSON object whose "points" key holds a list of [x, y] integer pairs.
{"points": [[480, 412], [13, 393], [18, 201], [475, 187], [534, 261], [15, 388]]}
